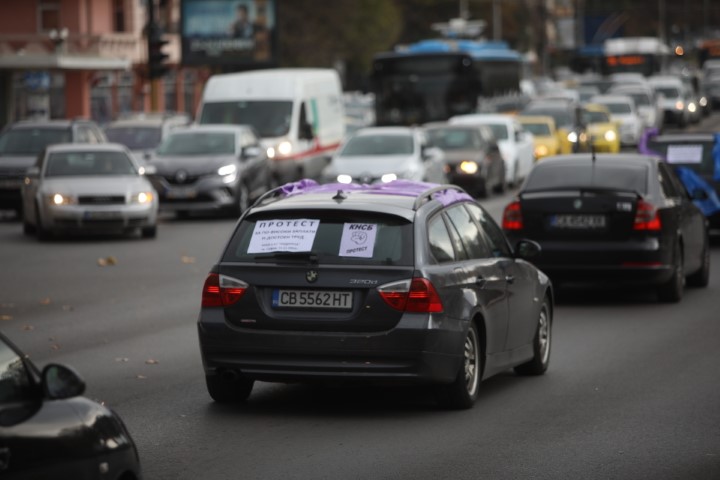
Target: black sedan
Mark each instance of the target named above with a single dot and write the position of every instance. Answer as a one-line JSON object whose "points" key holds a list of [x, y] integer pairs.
{"points": [[624, 219], [47, 430]]}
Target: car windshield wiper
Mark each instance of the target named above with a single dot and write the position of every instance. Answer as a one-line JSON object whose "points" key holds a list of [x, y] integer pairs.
{"points": [[312, 257]]}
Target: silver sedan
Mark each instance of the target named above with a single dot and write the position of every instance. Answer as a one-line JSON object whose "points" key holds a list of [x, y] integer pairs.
{"points": [[91, 188]]}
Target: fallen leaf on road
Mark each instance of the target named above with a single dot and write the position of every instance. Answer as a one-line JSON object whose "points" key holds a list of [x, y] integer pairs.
{"points": [[151, 361], [141, 377], [7, 305], [45, 301], [5, 317], [28, 327], [68, 308], [111, 260], [122, 359], [55, 346], [186, 259]]}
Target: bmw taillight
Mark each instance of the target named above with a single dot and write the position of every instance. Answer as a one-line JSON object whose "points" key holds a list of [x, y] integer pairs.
{"points": [[222, 291], [512, 217], [417, 295], [646, 217]]}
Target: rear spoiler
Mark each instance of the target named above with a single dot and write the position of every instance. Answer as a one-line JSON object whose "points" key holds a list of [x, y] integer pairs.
{"points": [[625, 191]]}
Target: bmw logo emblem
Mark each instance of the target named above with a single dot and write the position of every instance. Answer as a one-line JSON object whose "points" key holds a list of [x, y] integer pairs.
{"points": [[181, 176], [577, 204], [311, 276]]}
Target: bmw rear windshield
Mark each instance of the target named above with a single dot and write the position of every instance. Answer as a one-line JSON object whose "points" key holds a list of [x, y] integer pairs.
{"points": [[327, 237], [563, 176]]}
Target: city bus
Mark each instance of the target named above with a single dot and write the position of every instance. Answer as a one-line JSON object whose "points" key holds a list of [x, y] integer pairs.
{"points": [[433, 80], [645, 55]]}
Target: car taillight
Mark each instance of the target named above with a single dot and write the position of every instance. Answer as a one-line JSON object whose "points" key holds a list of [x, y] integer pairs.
{"points": [[512, 217], [222, 291], [417, 295], [646, 217]]}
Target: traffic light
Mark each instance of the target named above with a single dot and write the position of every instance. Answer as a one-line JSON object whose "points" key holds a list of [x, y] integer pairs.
{"points": [[157, 68]]}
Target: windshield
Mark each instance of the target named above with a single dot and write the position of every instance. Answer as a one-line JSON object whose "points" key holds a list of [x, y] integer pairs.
{"points": [[345, 238], [198, 143], [270, 118], [641, 99], [378, 145], [632, 178], [694, 154], [618, 108], [539, 129], [74, 164], [454, 139], [31, 141], [669, 92], [135, 138], [562, 118], [596, 117]]}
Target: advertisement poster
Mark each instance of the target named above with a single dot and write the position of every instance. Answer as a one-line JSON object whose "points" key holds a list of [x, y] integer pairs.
{"points": [[228, 32]]}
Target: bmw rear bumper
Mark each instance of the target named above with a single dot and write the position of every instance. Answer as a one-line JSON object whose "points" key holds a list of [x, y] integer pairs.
{"points": [[410, 353]]}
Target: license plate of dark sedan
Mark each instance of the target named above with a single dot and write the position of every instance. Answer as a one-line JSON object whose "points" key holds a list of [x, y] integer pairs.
{"points": [[578, 222], [316, 299], [181, 192]]}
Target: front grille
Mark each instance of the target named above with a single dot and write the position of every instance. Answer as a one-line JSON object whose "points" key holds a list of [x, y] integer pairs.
{"points": [[188, 180], [101, 200]]}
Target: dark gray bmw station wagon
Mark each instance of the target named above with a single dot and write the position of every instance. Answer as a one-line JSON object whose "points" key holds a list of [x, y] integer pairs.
{"points": [[404, 282]]}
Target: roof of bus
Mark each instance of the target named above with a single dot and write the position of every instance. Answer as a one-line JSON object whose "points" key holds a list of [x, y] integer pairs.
{"points": [[478, 50]]}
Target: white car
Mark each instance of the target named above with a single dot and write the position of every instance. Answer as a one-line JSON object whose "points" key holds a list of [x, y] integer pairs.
{"points": [[623, 110], [383, 154], [645, 100], [674, 99], [97, 188], [516, 144]]}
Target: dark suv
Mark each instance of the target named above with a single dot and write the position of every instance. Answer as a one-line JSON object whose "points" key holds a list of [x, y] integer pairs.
{"points": [[22, 142], [404, 282]]}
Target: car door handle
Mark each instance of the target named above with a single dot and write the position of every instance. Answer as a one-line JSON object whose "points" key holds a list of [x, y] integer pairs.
{"points": [[509, 278]]}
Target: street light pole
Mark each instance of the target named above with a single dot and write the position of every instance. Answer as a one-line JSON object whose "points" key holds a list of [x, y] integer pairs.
{"points": [[497, 20]]}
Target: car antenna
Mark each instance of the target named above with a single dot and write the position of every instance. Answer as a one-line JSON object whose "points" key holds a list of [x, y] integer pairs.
{"points": [[592, 153], [339, 196]]}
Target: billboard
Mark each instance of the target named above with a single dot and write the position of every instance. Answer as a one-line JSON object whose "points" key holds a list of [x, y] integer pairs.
{"points": [[228, 33]]}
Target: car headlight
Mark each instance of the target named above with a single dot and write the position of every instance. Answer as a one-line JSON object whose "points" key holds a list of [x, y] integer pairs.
{"points": [[572, 137], [703, 102], [60, 199], [228, 172], [143, 198], [271, 152], [284, 148], [679, 105], [388, 177], [468, 167], [541, 151], [344, 178], [610, 136], [692, 107]]}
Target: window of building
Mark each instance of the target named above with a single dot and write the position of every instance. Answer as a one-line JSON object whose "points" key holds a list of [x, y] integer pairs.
{"points": [[119, 15], [49, 15]]}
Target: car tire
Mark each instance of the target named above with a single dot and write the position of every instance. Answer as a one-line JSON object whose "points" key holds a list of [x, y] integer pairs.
{"points": [[242, 200], [672, 290], [40, 230], [541, 344], [482, 190], [28, 228], [149, 232], [701, 278], [224, 390], [462, 392]]}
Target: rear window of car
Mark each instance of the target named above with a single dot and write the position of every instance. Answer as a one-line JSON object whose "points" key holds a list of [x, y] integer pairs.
{"points": [[694, 154], [32, 141], [73, 164], [336, 237], [628, 177]]}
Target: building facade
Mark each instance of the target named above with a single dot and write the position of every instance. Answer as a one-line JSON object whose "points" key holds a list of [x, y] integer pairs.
{"points": [[87, 58]]}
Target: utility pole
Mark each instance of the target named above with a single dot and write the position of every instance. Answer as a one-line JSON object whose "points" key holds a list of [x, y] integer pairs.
{"points": [[497, 20]]}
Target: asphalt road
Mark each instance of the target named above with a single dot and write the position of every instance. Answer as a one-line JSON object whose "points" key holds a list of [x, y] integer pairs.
{"points": [[633, 390]]}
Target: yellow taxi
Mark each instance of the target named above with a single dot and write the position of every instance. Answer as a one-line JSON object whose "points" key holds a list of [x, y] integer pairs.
{"points": [[545, 134], [605, 133]]}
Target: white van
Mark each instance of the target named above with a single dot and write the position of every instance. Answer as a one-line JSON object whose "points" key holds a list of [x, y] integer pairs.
{"points": [[297, 112]]}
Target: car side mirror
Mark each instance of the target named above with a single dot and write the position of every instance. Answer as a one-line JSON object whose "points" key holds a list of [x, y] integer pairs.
{"points": [[60, 381], [33, 172], [527, 249], [250, 152], [148, 170]]}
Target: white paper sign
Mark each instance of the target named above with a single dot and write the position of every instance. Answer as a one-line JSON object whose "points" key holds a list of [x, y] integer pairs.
{"points": [[296, 235], [684, 153], [358, 240]]}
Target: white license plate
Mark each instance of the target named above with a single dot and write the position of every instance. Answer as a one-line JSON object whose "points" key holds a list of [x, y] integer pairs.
{"points": [[187, 192], [578, 222], [101, 215], [315, 299]]}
